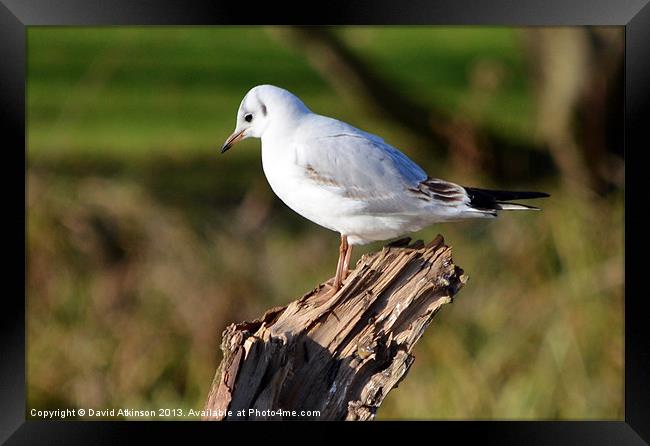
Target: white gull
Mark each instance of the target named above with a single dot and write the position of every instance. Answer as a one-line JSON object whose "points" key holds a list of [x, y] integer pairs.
{"points": [[351, 181]]}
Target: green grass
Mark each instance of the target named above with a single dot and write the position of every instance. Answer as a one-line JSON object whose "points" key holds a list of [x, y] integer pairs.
{"points": [[141, 92]]}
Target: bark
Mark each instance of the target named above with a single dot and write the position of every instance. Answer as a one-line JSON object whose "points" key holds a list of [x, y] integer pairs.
{"points": [[338, 354]]}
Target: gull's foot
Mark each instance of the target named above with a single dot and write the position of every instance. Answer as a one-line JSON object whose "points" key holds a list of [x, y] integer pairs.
{"points": [[331, 287]]}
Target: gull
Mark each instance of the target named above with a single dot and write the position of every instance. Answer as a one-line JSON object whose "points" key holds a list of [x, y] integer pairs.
{"points": [[351, 181]]}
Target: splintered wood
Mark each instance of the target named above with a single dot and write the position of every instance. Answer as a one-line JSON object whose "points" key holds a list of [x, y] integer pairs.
{"points": [[336, 356]]}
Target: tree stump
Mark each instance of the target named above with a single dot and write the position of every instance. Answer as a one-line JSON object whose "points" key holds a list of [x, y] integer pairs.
{"points": [[336, 356]]}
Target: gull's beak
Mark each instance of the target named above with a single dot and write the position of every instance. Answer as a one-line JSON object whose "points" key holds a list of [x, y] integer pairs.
{"points": [[232, 140]]}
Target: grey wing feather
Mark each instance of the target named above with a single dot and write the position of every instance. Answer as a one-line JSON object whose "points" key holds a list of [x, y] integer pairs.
{"points": [[361, 166]]}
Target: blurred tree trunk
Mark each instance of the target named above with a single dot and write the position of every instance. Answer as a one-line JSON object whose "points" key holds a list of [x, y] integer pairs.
{"points": [[355, 80], [602, 110], [338, 354], [577, 73], [472, 148]]}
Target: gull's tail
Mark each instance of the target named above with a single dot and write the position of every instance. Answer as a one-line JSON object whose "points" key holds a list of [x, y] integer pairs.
{"points": [[498, 200]]}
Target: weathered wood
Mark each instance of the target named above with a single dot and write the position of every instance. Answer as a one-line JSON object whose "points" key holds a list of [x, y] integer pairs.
{"points": [[339, 354]]}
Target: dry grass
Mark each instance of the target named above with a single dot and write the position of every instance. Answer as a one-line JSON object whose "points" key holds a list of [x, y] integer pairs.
{"points": [[127, 302]]}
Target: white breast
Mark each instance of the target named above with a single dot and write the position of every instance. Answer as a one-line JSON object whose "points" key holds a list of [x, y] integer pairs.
{"points": [[317, 204], [288, 182]]}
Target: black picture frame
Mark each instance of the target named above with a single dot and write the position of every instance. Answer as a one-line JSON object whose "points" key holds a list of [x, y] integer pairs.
{"points": [[16, 15]]}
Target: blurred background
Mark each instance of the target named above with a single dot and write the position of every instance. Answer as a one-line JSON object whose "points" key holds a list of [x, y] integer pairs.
{"points": [[144, 243]]}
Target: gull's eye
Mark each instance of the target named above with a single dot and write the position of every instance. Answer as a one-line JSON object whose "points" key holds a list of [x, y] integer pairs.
{"points": [[248, 117]]}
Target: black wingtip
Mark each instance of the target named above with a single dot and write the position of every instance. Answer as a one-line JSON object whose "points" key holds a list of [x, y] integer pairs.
{"points": [[491, 199], [507, 195]]}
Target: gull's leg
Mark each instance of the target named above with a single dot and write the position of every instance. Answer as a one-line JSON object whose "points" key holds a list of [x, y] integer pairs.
{"points": [[346, 262], [338, 279]]}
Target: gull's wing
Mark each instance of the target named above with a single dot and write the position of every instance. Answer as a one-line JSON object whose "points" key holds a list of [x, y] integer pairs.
{"points": [[359, 166]]}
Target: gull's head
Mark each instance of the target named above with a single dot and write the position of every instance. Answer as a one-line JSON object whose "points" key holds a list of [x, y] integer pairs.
{"points": [[264, 107]]}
